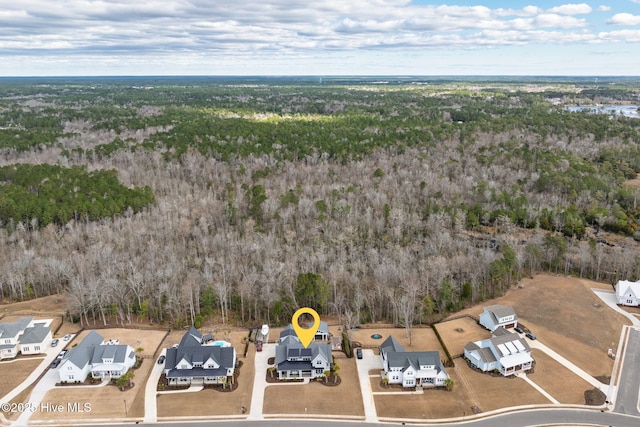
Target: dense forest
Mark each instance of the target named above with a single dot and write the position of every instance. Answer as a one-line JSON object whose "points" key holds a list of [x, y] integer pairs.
{"points": [[178, 199]]}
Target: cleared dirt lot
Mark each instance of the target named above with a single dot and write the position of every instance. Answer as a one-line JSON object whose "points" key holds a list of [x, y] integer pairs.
{"points": [[14, 372], [344, 399]]}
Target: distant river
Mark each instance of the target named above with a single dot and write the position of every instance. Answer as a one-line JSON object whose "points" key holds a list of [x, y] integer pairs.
{"points": [[625, 110]]}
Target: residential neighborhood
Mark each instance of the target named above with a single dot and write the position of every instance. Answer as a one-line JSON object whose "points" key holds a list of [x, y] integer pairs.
{"points": [[184, 364]]}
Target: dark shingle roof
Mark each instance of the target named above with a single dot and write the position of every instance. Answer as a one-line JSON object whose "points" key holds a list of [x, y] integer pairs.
{"points": [[191, 350], [390, 345]]}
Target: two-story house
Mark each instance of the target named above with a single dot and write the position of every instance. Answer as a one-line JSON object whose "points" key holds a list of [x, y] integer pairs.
{"points": [[24, 336], [411, 368], [498, 315], [293, 360], [93, 356], [197, 359]]}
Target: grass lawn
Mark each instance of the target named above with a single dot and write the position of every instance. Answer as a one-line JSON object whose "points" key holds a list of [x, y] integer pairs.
{"points": [[344, 399], [558, 381], [459, 332], [422, 339], [12, 373]]}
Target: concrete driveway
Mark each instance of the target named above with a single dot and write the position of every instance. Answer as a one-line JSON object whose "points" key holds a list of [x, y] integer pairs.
{"points": [[259, 381], [369, 362], [150, 402]]}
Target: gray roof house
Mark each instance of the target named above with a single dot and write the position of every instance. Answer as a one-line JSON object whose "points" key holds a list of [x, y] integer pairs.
{"points": [[495, 316], [93, 355], [199, 361], [322, 334], [504, 352], [293, 360], [24, 336], [411, 368]]}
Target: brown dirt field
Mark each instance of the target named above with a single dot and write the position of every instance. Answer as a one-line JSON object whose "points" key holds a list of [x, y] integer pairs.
{"points": [[344, 399], [557, 380], [423, 339], [567, 316], [50, 305], [13, 373], [22, 397], [149, 340], [468, 330]]}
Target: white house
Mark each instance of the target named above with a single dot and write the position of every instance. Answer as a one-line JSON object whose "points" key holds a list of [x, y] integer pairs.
{"points": [[504, 352], [94, 356], [411, 368], [199, 359], [24, 336], [498, 315], [322, 334], [628, 293], [293, 360]]}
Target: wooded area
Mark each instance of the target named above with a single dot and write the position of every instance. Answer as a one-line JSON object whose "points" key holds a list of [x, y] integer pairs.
{"points": [[177, 199]]}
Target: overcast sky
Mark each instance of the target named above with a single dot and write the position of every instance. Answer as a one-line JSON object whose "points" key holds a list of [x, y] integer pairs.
{"points": [[322, 37]]}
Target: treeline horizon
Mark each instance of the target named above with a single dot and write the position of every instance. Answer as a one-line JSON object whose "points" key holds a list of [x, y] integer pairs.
{"points": [[372, 203]]}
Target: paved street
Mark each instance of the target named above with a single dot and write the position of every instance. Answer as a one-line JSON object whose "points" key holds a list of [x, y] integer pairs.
{"points": [[628, 388]]}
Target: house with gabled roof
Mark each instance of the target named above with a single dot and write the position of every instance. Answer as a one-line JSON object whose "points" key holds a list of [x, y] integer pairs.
{"points": [[96, 357], [197, 359], [498, 315], [628, 293], [411, 368], [293, 360], [24, 336], [504, 352]]}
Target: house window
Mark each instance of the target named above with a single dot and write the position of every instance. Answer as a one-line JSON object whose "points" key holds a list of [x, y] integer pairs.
{"points": [[7, 341], [184, 366], [629, 301], [36, 348], [25, 348], [69, 368], [71, 377]]}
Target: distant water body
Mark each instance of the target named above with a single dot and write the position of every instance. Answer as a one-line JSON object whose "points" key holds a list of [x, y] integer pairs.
{"points": [[614, 110]]}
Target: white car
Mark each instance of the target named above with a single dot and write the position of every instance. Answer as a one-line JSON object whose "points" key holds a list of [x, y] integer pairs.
{"points": [[67, 337]]}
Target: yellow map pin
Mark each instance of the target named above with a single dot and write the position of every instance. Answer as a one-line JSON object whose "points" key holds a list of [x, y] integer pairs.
{"points": [[305, 334]]}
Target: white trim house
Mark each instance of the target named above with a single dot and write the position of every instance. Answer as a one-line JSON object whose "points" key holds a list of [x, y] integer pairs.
{"points": [[411, 368], [199, 359], [628, 293], [504, 352], [495, 316], [24, 336], [94, 356], [293, 360]]}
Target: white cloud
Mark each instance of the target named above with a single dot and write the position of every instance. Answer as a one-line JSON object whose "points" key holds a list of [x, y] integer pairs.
{"points": [[282, 28], [624, 19], [571, 9], [604, 8]]}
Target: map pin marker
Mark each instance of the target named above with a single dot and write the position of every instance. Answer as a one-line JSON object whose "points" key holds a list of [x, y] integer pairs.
{"points": [[305, 335]]}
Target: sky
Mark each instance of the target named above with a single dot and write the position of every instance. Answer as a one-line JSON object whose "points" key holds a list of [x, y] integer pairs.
{"points": [[321, 37]]}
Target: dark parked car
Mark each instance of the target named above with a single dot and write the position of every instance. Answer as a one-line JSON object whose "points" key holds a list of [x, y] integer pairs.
{"points": [[258, 345], [55, 342], [55, 363], [518, 329], [530, 336], [161, 359], [359, 353]]}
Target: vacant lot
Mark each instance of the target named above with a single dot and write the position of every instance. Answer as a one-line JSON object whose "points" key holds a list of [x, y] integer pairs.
{"points": [[12, 373], [344, 399]]}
